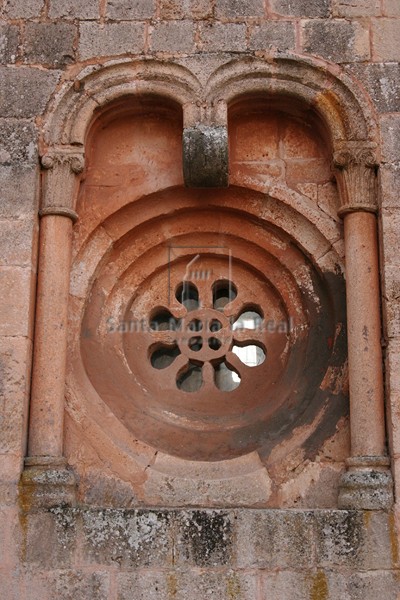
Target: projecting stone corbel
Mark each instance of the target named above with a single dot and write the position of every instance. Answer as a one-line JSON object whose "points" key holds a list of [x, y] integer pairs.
{"points": [[205, 146]]}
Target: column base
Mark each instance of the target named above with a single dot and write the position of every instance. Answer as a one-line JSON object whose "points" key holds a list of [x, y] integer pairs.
{"points": [[47, 481], [367, 485]]}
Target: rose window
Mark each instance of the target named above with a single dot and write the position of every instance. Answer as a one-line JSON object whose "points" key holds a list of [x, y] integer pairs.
{"points": [[208, 333], [206, 342]]}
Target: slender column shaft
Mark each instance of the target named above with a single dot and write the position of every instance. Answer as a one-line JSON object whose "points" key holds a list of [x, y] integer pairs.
{"points": [[364, 335], [60, 184], [50, 347]]}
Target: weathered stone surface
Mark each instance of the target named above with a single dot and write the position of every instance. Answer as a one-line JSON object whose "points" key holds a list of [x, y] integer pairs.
{"points": [[50, 43], [391, 8], [18, 240], [302, 8], [25, 91], [272, 539], [385, 40], [391, 225], [74, 9], [187, 583], [128, 10], [390, 131], [355, 8], [372, 585], [112, 39], [18, 144], [69, 583], [25, 9], [296, 585], [147, 585], [173, 36], [391, 295], [15, 301], [221, 36], [205, 156], [390, 184], [339, 538], [205, 538], [18, 192], [381, 82], [50, 538], [231, 9], [15, 360], [279, 35], [127, 538], [9, 42], [175, 9], [337, 40]]}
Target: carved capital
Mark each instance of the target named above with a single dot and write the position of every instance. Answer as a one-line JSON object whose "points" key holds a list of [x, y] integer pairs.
{"points": [[355, 171], [66, 159], [60, 184]]}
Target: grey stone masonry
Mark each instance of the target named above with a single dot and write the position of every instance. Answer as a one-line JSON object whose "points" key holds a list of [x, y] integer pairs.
{"points": [[337, 40], [74, 9], [224, 554], [25, 91], [110, 39], [50, 43]]}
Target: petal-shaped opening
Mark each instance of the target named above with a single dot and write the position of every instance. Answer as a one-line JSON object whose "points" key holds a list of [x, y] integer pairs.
{"points": [[248, 319], [163, 356], [163, 320], [224, 292], [188, 295], [250, 355], [226, 379], [190, 379]]}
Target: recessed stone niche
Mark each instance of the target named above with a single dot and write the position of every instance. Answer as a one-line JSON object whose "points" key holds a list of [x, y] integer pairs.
{"points": [[207, 361]]}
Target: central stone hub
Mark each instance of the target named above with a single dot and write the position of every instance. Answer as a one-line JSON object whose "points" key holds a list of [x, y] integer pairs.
{"points": [[205, 335]]}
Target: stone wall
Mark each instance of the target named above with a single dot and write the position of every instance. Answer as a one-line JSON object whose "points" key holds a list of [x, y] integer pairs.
{"points": [[108, 554], [68, 553]]}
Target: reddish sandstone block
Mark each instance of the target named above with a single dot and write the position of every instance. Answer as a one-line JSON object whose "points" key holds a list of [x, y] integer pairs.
{"points": [[254, 139]]}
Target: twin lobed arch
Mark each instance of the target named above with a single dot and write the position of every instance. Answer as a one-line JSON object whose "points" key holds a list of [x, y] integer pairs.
{"points": [[349, 119]]}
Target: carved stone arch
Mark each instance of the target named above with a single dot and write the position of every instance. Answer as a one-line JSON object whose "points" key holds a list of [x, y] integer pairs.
{"points": [[71, 111], [342, 105], [353, 135]]}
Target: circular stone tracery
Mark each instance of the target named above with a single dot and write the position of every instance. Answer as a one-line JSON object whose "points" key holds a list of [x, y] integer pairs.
{"points": [[215, 335], [265, 345]]}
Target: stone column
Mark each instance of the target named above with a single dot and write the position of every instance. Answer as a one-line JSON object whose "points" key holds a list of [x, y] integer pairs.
{"points": [[367, 484], [46, 478]]}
